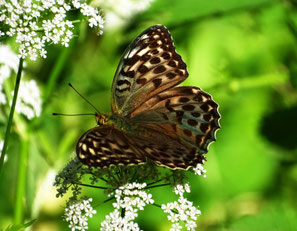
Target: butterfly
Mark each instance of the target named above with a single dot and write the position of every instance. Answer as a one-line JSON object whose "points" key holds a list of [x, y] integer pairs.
{"points": [[152, 118]]}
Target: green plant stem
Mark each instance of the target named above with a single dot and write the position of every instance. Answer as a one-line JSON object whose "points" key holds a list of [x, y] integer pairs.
{"points": [[107, 200], [159, 206], [123, 212], [153, 182], [155, 186], [92, 186], [21, 182], [12, 109]]}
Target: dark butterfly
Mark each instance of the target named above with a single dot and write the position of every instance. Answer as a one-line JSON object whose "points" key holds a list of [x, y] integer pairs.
{"points": [[151, 117]]}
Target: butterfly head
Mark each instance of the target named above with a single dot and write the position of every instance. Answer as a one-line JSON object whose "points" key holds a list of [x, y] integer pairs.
{"points": [[101, 119]]}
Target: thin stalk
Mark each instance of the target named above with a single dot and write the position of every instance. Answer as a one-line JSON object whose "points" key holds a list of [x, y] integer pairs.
{"points": [[103, 179], [12, 109], [21, 182], [159, 206], [92, 186], [153, 183], [105, 201], [123, 212], [159, 185]]}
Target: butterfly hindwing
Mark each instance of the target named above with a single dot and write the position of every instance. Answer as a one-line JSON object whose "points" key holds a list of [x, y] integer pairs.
{"points": [[185, 113], [163, 149], [104, 146]]}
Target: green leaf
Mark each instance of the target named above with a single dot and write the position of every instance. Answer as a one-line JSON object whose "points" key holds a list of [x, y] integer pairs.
{"points": [[20, 227]]}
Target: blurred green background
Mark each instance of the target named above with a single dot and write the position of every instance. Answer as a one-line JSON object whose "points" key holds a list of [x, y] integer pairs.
{"points": [[244, 53]]}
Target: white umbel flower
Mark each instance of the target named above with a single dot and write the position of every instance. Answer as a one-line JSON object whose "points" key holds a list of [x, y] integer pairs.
{"points": [[130, 198], [182, 210], [8, 62], [1, 147], [8, 59], [24, 20], [77, 214], [199, 170], [29, 100]]}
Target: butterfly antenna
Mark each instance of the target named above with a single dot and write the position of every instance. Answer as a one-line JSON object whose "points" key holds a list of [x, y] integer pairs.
{"points": [[62, 114], [83, 97]]}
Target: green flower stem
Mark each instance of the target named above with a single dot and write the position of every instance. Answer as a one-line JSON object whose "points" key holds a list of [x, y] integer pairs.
{"points": [[21, 182], [107, 200], [155, 186], [153, 182], [159, 206], [9, 124], [92, 186]]}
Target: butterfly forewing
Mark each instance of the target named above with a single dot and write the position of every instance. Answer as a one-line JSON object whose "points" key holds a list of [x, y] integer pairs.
{"points": [[149, 65]]}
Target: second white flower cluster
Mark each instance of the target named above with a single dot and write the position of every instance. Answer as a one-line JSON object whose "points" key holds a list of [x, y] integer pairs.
{"points": [[77, 214], [130, 199]]}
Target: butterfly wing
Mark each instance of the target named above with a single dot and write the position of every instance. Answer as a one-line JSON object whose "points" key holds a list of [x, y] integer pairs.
{"points": [[148, 66], [156, 144], [104, 146], [187, 115]]}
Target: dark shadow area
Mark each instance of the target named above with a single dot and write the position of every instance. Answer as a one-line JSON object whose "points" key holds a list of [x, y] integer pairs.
{"points": [[280, 128]]}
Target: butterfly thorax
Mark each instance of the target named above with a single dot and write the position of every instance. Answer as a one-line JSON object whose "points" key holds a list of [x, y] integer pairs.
{"points": [[115, 121]]}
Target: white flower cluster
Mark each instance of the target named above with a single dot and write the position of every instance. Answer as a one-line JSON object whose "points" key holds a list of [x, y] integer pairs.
{"points": [[8, 62], [199, 170], [1, 145], [181, 210], [130, 198], [24, 19], [78, 213], [29, 101]]}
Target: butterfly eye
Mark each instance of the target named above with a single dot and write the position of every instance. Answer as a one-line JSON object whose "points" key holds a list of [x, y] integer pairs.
{"points": [[101, 119]]}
